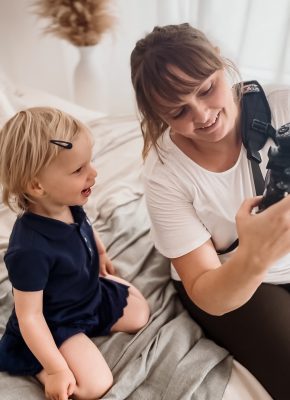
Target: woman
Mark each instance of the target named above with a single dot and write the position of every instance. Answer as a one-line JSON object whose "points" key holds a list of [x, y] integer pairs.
{"points": [[201, 198]]}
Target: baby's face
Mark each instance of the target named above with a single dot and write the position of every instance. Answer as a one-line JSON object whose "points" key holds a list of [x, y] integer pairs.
{"points": [[69, 177]]}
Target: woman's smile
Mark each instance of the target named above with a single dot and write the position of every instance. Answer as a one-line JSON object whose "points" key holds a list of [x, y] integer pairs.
{"points": [[210, 125]]}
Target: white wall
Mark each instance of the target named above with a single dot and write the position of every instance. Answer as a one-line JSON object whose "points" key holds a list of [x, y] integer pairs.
{"points": [[254, 33], [46, 62], [29, 57]]}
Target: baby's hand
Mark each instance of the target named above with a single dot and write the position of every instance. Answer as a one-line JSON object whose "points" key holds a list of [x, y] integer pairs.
{"points": [[60, 385], [106, 265]]}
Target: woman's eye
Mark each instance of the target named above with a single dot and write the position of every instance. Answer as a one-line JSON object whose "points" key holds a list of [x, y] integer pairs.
{"points": [[180, 113], [207, 91]]}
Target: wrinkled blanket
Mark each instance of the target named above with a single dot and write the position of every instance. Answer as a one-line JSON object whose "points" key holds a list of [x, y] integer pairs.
{"points": [[169, 358]]}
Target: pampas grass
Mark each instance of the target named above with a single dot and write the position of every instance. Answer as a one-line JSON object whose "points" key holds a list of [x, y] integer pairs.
{"points": [[81, 22]]}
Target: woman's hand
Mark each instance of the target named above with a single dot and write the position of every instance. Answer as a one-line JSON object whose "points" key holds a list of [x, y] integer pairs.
{"points": [[265, 236], [60, 385], [263, 239]]}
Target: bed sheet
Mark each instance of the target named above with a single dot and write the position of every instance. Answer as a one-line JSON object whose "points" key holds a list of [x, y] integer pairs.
{"points": [[169, 358]]}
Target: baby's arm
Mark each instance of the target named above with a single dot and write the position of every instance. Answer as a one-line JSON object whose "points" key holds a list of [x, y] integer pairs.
{"points": [[106, 266], [35, 332]]}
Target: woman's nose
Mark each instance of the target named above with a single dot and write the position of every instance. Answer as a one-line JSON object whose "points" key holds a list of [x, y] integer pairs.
{"points": [[200, 116], [199, 112]]}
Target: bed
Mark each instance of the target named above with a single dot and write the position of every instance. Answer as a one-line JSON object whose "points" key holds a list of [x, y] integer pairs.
{"points": [[169, 358]]}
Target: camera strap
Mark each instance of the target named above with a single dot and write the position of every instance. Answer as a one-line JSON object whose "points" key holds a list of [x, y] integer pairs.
{"points": [[255, 119]]}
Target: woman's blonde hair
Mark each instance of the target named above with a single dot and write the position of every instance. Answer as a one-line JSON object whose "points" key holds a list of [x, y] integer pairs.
{"points": [[182, 46], [25, 149]]}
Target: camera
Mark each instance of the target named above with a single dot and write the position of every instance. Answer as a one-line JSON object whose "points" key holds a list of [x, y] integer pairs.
{"points": [[277, 182]]}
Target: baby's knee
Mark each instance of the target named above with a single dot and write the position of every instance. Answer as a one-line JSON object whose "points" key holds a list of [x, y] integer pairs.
{"points": [[142, 316], [96, 390]]}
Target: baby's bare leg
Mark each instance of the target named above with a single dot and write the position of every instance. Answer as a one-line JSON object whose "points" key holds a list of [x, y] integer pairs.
{"points": [[136, 313], [90, 369]]}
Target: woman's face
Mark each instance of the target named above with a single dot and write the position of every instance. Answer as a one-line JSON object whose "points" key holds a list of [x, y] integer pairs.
{"points": [[208, 114]]}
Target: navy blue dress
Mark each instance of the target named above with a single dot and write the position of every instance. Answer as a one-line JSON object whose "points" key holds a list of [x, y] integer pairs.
{"points": [[62, 260]]}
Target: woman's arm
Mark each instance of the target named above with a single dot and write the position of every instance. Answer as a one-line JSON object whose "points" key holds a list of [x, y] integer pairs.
{"points": [[263, 238]]}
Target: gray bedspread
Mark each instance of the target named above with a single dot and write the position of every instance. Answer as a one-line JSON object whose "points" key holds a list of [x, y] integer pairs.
{"points": [[170, 358]]}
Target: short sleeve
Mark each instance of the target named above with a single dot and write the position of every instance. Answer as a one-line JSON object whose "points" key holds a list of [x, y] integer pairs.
{"points": [[175, 227], [28, 270], [171, 190]]}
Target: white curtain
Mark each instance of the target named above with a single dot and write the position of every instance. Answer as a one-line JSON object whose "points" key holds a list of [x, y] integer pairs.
{"points": [[255, 34]]}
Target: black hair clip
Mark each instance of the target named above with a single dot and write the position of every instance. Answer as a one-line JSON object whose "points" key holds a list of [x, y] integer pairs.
{"points": [[62, 143]]}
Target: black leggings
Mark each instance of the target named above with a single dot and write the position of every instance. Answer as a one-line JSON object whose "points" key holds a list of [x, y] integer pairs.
{"points": [[256, 334]]}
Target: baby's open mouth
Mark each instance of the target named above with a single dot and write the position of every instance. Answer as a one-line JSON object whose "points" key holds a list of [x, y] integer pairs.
{"points": [[86, 192]]}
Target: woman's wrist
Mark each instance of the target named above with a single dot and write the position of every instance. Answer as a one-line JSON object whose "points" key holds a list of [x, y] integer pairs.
{"points": [[229, 286], [252, 263]]}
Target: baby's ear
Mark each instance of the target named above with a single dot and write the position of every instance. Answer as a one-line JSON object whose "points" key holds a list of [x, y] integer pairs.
{"points": [[35, 189], [217, 49]]}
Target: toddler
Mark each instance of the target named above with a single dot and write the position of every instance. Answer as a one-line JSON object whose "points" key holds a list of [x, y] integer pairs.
{"points": [[64, 286]]}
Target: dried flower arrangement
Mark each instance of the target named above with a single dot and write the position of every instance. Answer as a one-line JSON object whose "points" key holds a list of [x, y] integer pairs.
{"points": [[81, 22]]}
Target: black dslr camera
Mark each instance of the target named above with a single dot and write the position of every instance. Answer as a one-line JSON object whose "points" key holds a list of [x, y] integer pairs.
{"points": [[277, 183]]}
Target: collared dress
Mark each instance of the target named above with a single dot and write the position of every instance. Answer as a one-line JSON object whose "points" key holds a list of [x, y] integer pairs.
{"points": [[62, 260]]}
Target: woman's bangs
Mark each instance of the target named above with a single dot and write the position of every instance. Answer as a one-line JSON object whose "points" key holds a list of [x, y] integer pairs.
{"points": [[171, 88], [164, 84]]}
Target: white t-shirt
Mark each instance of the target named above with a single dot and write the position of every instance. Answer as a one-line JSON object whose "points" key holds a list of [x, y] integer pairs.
{"points": [[188, 204]]}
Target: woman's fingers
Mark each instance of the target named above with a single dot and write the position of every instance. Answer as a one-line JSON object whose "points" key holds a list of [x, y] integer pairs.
{"points": [[248, 205], [266, 234]]}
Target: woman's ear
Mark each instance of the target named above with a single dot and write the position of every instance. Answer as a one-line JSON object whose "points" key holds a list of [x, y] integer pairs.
{"points": [[35, 189], [217, 49]]}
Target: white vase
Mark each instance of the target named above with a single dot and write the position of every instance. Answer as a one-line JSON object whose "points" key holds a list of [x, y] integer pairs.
{"points": [[88, 82]]}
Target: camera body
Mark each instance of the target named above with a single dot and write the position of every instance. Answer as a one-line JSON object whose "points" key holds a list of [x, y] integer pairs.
{"points": [[277, 182]]}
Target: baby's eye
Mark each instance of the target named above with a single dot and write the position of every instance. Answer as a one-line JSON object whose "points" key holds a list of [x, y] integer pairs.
{"points": [[77, 170]]}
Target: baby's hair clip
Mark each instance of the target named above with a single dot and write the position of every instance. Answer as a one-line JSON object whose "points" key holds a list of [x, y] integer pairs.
{"points": [[62, 143]]}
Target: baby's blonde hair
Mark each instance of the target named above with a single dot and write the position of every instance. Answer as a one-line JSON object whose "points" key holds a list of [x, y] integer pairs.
{"points": [[25, 149]]}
